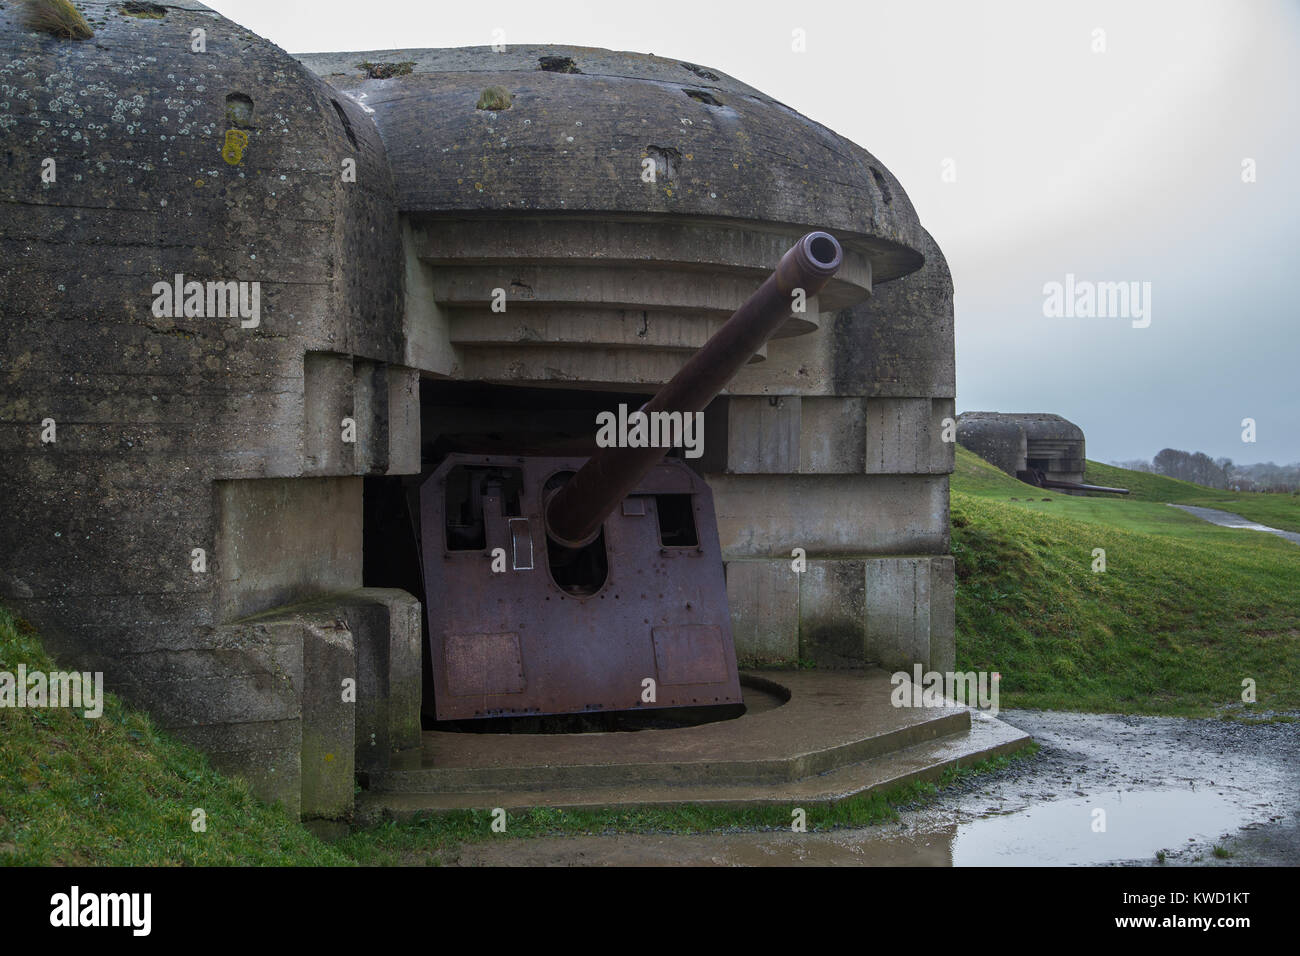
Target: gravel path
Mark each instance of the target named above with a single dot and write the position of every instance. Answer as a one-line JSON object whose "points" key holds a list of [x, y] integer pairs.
{"points": [[1227, 519]]}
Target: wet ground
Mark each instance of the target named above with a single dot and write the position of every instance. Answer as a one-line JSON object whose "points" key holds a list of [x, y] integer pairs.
{"points": [[1164, 786], [1227, 519]]}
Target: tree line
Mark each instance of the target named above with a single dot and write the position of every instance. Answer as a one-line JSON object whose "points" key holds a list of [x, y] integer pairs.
{"points": [[1221, 473]]}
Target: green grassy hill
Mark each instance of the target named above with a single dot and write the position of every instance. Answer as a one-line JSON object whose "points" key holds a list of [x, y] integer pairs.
{"points": [[1276, 511], [114, 791], [1182, 614], [1143, 486]]}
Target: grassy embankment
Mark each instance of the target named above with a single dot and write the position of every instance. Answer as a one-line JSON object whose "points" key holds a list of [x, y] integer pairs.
{"points": [[1276, 511], [116, 791], [1182, 614]]}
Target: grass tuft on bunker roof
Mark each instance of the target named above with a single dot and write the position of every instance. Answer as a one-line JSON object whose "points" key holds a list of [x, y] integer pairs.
{"points": [[386, 71], [143, 11], [58, 18]]}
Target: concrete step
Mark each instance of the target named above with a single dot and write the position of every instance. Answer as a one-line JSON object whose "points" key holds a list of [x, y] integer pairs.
{"points": [[986, 738], [678, 773], [837, 735]]}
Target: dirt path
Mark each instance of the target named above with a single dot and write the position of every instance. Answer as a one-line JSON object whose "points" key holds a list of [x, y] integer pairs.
{"points": [[1162, 784]]}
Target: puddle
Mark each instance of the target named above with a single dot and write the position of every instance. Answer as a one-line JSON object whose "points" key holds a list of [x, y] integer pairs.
{"points": [[1226, 519], [1137, 824], [1184, 823], [1165, 783]]}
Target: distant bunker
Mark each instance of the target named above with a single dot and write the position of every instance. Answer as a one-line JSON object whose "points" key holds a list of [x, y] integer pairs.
{"points": [[1037, 448], [439, 265]]}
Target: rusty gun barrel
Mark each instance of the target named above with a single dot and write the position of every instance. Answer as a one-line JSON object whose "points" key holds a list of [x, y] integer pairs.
{"points": [[1036, 477], [575, 513]]}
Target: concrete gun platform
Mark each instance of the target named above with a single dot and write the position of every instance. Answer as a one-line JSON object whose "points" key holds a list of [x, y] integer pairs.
{"points": [[811, 736]]}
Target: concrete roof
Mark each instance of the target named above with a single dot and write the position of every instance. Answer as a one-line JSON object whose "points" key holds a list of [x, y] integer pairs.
{"points": [[1037, 425], [574, 142]]}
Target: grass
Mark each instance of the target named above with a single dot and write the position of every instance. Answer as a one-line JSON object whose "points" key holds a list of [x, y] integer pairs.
{"points": [[494, 98], [1275, 510], [1182, 614], [59, 18], [386, 71], [118, 791], [114, 790], [144, 11], [1243, 718]]}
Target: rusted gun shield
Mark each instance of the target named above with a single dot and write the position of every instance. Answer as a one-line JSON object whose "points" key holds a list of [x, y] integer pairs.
{"points": [[652, 632]]}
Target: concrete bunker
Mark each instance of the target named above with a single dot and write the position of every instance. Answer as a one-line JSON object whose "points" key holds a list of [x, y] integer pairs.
{"points": [[1018, 443], [1037, 448], [222, 525]]}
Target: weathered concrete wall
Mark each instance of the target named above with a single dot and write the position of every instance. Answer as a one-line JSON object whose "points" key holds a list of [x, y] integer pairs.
{"points": [[721, 149], [831, 514], [832, 437], [276, 708], [999, 442], [280, 540], [1016, 442], [165, 424], [855, 473], [609, 278]]}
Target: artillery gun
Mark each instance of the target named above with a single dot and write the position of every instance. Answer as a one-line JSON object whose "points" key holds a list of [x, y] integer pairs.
{"points": [[1036, 477], [555, 585]]}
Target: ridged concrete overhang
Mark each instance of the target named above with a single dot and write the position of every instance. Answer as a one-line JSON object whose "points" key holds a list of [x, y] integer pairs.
{"points": [[1038, 426], [546, 199]]}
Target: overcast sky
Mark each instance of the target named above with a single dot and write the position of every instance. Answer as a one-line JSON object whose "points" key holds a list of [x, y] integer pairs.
{"points": [[1115, 166]]}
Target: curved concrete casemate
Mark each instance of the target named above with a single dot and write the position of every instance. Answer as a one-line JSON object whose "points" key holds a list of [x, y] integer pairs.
{"points": [[242, 252], [1023, 443]]}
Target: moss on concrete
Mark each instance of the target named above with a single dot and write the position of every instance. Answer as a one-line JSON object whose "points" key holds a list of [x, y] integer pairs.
{"points": [[144, 11], [386, 71]]}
